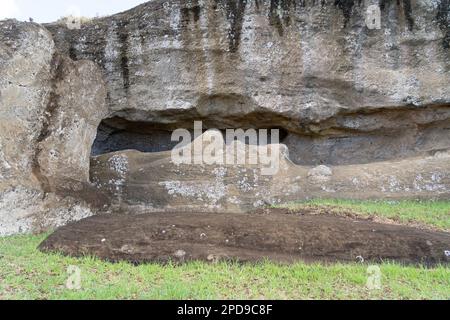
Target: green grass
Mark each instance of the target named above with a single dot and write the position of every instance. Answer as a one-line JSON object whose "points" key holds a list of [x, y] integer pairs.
{"points": [[26, 273], [435, 214]]}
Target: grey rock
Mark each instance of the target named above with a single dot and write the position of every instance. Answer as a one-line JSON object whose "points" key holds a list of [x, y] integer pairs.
{"points": [[363, 113], [50, 108]]}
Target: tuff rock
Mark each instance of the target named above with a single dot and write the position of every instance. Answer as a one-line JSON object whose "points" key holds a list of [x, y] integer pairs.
{"points": [[50, 108], [86, 114]]}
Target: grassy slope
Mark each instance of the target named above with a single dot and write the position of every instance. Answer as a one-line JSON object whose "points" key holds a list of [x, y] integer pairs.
{"points": [[26, 273], [435, 214]]}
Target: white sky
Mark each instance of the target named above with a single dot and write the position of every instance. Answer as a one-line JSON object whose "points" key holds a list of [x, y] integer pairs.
{"points": [[51, 10]]}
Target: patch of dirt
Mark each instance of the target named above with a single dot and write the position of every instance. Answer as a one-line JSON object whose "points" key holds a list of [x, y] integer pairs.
{"points": [[267, 234]]}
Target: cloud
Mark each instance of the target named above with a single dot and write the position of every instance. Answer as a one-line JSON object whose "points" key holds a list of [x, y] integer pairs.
{"points": [[8, 9]]}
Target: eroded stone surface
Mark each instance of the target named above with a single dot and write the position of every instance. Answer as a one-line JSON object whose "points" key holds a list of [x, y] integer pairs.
{"points": [[345, 94], [143, 182], [74, 113], [50, 108], [363, 113]]}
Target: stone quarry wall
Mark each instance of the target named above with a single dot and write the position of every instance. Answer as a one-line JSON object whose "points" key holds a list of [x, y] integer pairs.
{"points": [[342, 91], [364, 113], [50, 108]]}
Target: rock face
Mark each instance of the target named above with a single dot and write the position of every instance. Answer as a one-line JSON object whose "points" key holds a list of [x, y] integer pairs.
{"points": [[50, 108], [364, 112], [344, 93], [142, 182]]}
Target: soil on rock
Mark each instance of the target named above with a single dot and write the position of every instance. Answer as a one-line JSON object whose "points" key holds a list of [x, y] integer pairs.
{"points": [[274, 235]]}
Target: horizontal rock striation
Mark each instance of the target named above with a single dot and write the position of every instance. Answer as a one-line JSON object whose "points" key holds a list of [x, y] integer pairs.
{"points": [[363, 112], [345, 93]]}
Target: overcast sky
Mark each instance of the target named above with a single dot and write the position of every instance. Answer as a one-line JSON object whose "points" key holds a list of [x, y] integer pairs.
{"points": [[51, 10]]}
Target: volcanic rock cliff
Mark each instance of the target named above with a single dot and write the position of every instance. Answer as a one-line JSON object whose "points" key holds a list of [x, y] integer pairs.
{"points": [[86, 113]]}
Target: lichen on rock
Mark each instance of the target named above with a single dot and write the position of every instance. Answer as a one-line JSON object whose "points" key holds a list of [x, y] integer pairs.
{"points": [[362, 113]]}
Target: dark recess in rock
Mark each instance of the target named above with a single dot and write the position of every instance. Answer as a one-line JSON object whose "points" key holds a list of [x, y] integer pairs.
{"points": [[72, 53], [117, 134], [194, 11], [347, 7], [70, 39], [442, 18], [124, 61], [235, 11], [408, 14]]}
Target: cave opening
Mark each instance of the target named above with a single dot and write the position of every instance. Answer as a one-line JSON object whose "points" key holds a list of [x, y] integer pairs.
{"points": [[118, 134], [354, 138]]}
